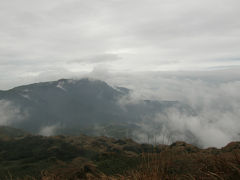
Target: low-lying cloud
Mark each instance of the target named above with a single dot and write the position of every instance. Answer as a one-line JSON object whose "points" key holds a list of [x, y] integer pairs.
{"points": [[49, 130], [214, 100], [10, 113]]}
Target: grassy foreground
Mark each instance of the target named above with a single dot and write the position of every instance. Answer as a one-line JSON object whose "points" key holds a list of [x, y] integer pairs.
{"points": [[29, 157], [177, 161]]}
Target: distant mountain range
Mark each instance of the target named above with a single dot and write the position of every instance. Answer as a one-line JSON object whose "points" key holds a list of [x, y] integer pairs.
{"points": [[77, 106]]}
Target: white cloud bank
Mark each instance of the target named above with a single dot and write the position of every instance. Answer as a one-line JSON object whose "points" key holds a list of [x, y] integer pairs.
{"points": [[10, 114], [213, 95]]}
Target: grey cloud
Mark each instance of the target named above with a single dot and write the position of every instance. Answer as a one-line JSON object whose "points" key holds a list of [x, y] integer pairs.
{"points": [[49, 130], [215, 101], [102, 58], [147, 35], [10, 114]]}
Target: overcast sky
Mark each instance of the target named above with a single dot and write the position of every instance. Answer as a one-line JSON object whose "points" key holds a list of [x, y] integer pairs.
{"points": [[60, 38], [185, 50]]}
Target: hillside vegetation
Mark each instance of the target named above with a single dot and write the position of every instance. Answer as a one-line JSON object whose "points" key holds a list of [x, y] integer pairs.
{"points": [[27, 156]]}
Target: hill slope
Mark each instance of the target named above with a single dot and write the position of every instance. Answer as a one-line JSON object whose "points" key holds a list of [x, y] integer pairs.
{"points": [[76, 106], [84, 157], [7, 133]]}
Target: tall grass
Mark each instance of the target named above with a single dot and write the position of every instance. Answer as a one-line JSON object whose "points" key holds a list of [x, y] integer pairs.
{"points": [[165, 165], [197, 166]]}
